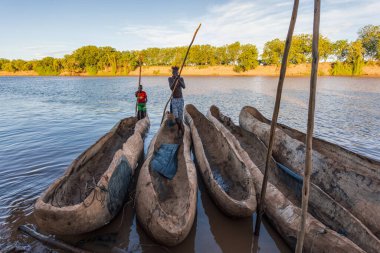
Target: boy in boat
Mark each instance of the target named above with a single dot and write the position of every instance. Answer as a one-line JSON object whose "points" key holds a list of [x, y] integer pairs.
{"points": [[177, 102], [142, 98]]}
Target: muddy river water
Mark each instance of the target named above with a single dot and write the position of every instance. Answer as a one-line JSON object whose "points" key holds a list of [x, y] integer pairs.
{"points": [[46, 122]]}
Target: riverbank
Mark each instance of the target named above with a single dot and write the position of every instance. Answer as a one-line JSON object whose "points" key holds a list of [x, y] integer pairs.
{"points": [[293, 70]]}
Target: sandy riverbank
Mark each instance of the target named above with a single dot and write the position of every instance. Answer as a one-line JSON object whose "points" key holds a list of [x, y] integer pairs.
{"points": [[293, 70]]}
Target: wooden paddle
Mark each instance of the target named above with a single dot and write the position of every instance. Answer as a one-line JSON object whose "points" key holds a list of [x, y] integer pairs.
{"points": [[180, 71]]}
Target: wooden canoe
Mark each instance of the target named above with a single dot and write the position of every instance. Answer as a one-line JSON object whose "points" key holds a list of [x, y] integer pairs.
{"points": [[95, 185], [350, 179], [225, 174], [166, 208], [321, 205]]}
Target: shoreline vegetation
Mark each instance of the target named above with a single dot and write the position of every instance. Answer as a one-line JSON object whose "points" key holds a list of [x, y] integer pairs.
{"points": [[293, 70], [337, 58]]}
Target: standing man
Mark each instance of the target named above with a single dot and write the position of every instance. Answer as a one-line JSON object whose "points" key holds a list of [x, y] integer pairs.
{"points": [[142, 98], [177, 102]]}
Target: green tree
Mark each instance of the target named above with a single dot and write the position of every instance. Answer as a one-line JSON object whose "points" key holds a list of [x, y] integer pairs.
{"points": [[3, 62], [87, 58], [233, 52], [340, 49], [221, 55], [273, 52], [355, 57], [8, 66], [325, 48], [48, 66], [370, 37], [300, 50], [151, 56], [247, 59]]}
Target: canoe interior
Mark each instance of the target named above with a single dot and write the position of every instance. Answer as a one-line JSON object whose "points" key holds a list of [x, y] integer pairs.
{"points": [[171, 193], [82, 178], [257, 152], [227, 170]]}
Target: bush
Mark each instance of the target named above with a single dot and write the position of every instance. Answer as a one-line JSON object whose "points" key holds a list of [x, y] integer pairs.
{"points": [[341, 69]]}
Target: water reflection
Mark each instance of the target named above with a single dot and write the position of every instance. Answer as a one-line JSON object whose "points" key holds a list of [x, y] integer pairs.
{"points": [[231, 235]]}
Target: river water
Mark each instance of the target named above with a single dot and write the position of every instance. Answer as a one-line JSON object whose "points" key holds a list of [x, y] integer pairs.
{"points": [[46, 122]]}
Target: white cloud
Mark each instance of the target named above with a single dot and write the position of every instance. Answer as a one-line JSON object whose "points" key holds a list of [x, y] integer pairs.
{"points": [[259, 21]]}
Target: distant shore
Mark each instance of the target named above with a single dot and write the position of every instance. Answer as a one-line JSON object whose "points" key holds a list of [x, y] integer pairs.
{"points": [[293, 70]]}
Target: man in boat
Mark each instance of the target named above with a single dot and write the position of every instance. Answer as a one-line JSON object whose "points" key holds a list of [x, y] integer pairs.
{"points": [[142, 98], [177, 102]]}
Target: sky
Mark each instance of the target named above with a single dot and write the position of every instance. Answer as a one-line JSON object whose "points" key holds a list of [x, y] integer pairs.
{"points": [[39, 28]]}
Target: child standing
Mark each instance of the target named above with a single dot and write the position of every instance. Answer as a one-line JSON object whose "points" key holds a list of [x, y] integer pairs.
{"points": [[142, 98]]}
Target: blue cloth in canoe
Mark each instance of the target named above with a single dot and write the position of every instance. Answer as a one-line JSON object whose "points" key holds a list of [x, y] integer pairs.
{"points": [[165, 160]]}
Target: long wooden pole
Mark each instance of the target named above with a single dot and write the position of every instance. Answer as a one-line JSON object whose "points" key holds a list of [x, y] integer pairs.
{"points": [[261, 207], [310, 126], [140, 63], [51, 241], [180, 71]]}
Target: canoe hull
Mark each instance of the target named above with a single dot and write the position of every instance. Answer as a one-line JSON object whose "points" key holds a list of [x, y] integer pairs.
{"points": [[236, 206], [282, 213], [350, 179], [166, 227], [105, 200]]}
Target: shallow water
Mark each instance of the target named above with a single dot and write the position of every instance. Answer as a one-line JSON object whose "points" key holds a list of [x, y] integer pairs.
{"points": [[46, 122]]}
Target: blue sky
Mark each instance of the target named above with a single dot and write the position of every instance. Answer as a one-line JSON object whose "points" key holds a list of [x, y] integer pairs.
{"points": [[39, 28]]}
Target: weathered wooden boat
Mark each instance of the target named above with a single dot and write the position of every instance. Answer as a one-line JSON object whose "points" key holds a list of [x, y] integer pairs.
{"points": [[95, 185], [321, 205], [225, 174], [281, 203], [352, 180], [166, 207]]}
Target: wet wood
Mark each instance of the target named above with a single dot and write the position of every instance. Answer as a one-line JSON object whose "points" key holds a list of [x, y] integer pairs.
{"points": [[50, 241], [281, 212], [276, 110], [94, 187], [352, 181], [226, 176], [166, 208]]}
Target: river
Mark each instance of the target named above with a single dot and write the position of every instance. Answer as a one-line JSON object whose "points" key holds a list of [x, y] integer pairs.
{"points": [[46, 122]]}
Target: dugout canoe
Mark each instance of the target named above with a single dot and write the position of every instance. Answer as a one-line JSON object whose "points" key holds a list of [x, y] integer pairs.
{"points": [[281, 212], [166, 208], [95, 185], [321, 205], [226, 176], [352, 180]]}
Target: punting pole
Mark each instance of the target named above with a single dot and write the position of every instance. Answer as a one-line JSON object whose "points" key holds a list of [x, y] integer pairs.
{"points": [[140, 63], [180, 71], [310, 126], [261, 206]]}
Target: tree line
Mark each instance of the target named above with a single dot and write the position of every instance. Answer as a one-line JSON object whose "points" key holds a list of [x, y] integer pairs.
{"points": [[347, 57]]}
